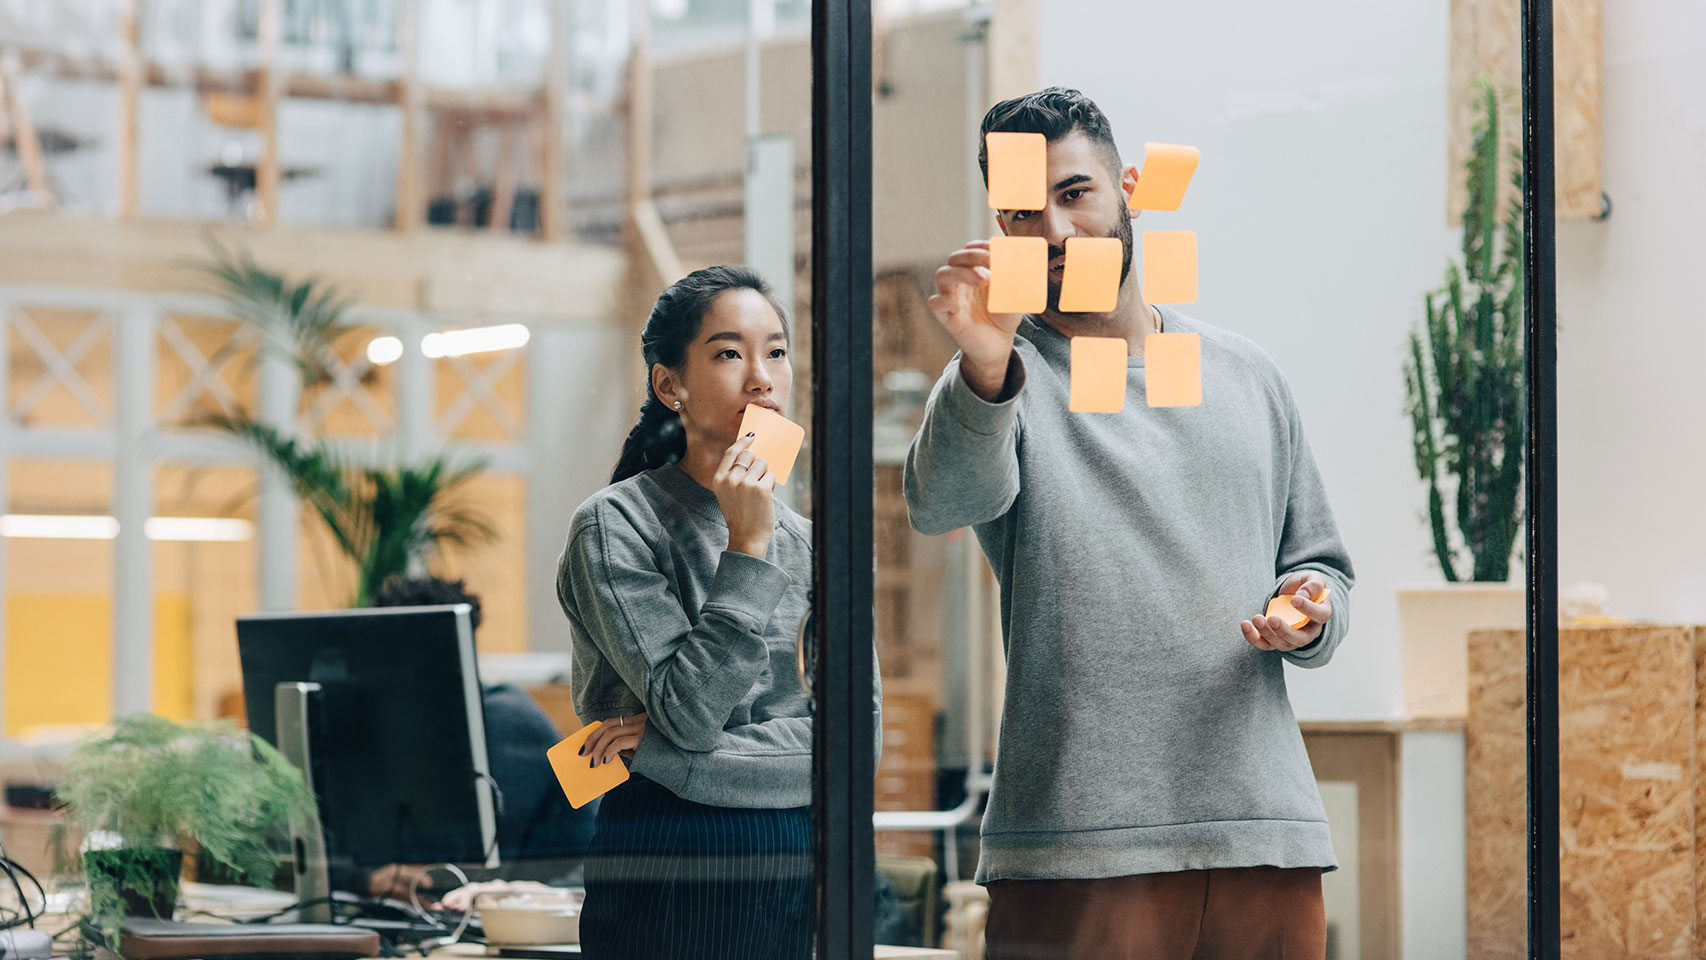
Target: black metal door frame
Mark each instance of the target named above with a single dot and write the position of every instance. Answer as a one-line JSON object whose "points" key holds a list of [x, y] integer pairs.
{"points": [[1545, 932], [843, 767]]}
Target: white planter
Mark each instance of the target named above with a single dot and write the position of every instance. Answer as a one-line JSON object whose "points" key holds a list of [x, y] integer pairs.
{"points": [[1433, 634]]}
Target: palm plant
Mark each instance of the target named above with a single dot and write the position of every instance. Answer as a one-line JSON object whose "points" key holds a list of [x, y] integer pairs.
{"points": [[300, 322], [388, 521], [1463, 377]]}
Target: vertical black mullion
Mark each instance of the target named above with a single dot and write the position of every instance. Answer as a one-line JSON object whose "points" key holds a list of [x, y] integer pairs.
{"points": [[1541, 311], [842, 737]]}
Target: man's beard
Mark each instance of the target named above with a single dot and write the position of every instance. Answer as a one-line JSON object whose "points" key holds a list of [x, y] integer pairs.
{"points": [[1122, 229]]}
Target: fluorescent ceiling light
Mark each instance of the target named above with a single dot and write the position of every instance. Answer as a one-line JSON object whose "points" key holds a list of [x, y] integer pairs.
{"points": [[384, 350], [458, 343], [26, 526], [199, 529], [56, 527]]}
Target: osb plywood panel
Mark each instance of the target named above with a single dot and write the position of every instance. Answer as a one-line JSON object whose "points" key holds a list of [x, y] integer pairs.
{"points": [[1495, 792], [1699, 794], [1486, 38], [1627, 699], [1626, 772]]}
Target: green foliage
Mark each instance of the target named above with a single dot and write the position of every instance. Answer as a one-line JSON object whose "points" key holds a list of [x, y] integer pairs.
{"points": [[155, 783], [300, 322], [1463, 377], [389, 522]]}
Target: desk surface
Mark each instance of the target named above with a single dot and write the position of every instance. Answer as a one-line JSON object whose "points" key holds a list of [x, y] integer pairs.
{"points": [[469, 950], [882, 952]]}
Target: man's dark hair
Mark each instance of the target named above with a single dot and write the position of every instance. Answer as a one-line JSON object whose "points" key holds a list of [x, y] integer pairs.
{"points": [[1054, 113], [428, 592]]}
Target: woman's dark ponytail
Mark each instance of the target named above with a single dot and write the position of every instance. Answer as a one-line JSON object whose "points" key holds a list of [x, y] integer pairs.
{"points": [[658, 438]]}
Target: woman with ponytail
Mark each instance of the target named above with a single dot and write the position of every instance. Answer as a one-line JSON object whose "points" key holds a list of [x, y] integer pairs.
{"points": [[685, 581]]}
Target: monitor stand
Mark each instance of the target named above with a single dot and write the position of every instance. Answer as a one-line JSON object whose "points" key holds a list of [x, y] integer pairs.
{"points": [[291, 705]]}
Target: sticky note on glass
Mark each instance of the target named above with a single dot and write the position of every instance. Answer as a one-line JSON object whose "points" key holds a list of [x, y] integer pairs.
{"points": [[1167, 171], [778, 441], [1169, 266], [1172, 365], [581, 781], [1018, 275], [1098, 375], [1018, 170], [1092, 280], [1282, 608]]}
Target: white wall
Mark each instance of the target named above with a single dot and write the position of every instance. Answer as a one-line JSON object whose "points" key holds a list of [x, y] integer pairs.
{"points": [[1319, 207], [1631, 411]]}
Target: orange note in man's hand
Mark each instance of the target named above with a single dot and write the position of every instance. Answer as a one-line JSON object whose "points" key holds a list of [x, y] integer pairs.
{"points": [[1018, 275], [1091, 283], [1167, 171], [778, 442], [1172, 369], [1170, 266], [1282, 608], [581, 781], [1018, 170], [1098, 375]]}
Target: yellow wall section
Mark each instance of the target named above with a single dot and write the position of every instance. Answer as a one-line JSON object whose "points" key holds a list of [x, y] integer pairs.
{"points": [[58, 668]]}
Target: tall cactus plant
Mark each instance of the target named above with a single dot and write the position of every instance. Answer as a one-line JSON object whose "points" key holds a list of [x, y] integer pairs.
{"points": [[1463, 377]]}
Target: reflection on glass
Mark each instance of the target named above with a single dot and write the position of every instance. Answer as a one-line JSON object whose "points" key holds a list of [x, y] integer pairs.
{"points": [[413, 405]]}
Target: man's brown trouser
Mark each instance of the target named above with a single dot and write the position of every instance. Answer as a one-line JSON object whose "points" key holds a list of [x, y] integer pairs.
{"points": [[1252, 913]]}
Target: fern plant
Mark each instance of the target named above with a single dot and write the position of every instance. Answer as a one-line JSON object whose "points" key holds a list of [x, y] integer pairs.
{"points": [[390, 522], [161, 788], [1463, 376]]}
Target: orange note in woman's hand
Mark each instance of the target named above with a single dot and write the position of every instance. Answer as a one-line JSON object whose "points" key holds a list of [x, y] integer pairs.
{"points": [[581, 781], [777, 441]]}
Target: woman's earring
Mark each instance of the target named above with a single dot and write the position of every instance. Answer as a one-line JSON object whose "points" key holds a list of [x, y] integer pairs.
{"points": [[678, 404]]}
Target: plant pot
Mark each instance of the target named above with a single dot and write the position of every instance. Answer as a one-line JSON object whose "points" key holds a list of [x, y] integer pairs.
{"points": [[142, 880], [1433, 634]]}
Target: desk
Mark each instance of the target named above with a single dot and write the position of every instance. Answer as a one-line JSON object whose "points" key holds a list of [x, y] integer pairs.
{"points": [[882, 952], [471, 950]]}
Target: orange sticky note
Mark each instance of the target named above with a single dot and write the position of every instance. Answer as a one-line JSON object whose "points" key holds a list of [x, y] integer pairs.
{"points": [[778, 441], [1098, 375], [1170, 266], [1167, 171], [582, 782], [1172, 365], [1282, 608], [1018, 275], [1092, 280], [1018, 170]]}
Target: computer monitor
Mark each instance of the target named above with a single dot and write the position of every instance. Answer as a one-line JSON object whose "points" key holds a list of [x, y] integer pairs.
{"points": [[382, 709]]}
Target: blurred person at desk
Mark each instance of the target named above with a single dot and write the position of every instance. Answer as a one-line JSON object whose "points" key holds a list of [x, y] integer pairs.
{"points": [[685, 581], [540, 836]]}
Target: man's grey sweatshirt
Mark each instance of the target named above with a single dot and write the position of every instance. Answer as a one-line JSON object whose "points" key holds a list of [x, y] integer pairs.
{"points": [[668, 620], [1141, 732]]}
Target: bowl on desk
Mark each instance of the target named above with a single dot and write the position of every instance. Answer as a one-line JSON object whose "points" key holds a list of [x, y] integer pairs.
{"points": [[529, 919]]}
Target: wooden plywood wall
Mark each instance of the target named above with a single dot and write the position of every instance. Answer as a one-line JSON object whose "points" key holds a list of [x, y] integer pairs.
{"points": [[1486, 38], [1630, 781]]}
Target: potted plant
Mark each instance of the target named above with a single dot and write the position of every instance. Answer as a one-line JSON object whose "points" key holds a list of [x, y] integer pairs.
{"points": [[149, 789], [388, 520], [1465, 396]]}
